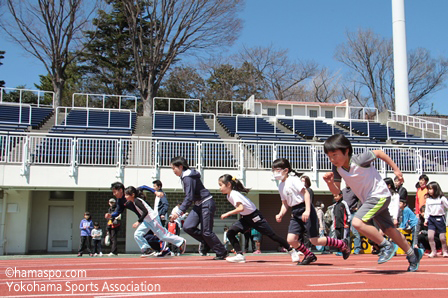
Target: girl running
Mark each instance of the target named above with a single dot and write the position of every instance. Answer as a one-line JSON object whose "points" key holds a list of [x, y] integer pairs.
{"points": [[203, 211], [294, 194], [251, 217], [147, 220], [435, 218]]}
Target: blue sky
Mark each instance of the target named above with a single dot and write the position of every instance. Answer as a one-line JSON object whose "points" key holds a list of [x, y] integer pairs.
{"points": [[309, 29]]}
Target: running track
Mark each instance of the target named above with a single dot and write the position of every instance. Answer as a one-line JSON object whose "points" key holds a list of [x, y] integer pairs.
{"points": [[265, 275]]}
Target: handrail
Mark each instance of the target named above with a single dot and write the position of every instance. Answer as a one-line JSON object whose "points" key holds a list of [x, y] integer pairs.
{"points": [[120, 97], [169, 103], [232, 102], [39, 92], [420, 123]]}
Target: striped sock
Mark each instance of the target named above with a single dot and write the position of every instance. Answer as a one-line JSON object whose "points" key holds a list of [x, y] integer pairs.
{"points": [[410, 252], [335, 242], [303, 249]]}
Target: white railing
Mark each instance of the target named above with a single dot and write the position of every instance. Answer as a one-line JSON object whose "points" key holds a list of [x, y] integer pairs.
{"points": [[103, 97], [88, 110], [74, 150], [232, 109], [39, 94], [419, 123], [169, 99], [175, 114]]}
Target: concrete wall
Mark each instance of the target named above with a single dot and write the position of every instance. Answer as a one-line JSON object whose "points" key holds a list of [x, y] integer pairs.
{"points": [[40, 216], [16, 232]]}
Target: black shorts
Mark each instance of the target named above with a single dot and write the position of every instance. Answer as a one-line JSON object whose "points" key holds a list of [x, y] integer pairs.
{"points": [[254, 220], [297, 226], [437, 223]]}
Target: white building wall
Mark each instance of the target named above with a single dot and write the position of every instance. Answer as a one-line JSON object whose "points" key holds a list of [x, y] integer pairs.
{"points": [[39, 218], [16, 232]]}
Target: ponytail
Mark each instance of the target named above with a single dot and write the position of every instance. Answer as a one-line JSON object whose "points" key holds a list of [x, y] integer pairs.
{"points": [[131, 190], [283, 163], [235, 183]]}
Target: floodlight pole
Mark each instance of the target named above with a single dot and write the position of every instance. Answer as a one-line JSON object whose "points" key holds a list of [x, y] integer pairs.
{"points": [[400, 58]]}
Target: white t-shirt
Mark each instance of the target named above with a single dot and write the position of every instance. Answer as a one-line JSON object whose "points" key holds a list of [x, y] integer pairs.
{"points": [[394, 206], [291, 191], [236, 197], [363, 178]]}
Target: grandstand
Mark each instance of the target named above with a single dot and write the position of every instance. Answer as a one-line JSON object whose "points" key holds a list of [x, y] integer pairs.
{"points": [[51, 176]]}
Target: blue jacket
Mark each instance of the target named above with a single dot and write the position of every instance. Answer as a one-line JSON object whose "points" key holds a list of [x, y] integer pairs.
{"points": [[193, 188], [86, 227], [409, 220]]}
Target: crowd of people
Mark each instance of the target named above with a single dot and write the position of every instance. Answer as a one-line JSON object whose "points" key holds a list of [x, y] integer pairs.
{"points": [[368, 205]]}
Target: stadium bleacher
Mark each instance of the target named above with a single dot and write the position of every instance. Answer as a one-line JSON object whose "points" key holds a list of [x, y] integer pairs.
{"points": [[16, 117], [255, 129], [319, 130], [188, 126], [93, 122]]}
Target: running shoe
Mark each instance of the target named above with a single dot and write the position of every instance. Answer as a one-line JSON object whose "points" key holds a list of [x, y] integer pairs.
{"points": [[294, 255], [308, 259], [387, 252], [414, 261], [239, 258]]}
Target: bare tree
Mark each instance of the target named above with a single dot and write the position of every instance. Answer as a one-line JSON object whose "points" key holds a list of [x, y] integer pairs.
{"points": [[324, 87], [51, 31], [281, 76], [370, 59], [162, 30]]}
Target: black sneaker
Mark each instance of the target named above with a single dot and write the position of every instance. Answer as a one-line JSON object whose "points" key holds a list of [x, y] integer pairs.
{"points": [[203, 249], [345, 250], [222, 257], [308, 259]]}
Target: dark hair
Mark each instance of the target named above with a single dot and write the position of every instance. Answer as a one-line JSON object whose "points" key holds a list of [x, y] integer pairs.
{"points": [[423, 177], [404, 201], [396, 178], [437, 190], [117, 186], [131, 190], [158, 183], [283, 163], [96, 224], [318, 203], [180, 161], [390, 184], [307, 181], [235, 183], [338, 142], [423, 209], [88, 214]]}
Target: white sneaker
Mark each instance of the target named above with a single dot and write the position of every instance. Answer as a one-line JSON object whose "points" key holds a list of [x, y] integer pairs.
{"points": [[95, 255], [239, 258], [300, 253], [112, 255], [294, 255], [101, 254]]}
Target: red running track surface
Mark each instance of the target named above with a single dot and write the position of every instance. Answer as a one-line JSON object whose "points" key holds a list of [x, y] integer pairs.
{"points": [[265, 275]]}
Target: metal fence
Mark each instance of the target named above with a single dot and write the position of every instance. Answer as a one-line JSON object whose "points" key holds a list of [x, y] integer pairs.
{"points": [[39, 149]]}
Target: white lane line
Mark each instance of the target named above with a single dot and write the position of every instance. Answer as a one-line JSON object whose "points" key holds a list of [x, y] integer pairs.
{"points": [[338, 284]]}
